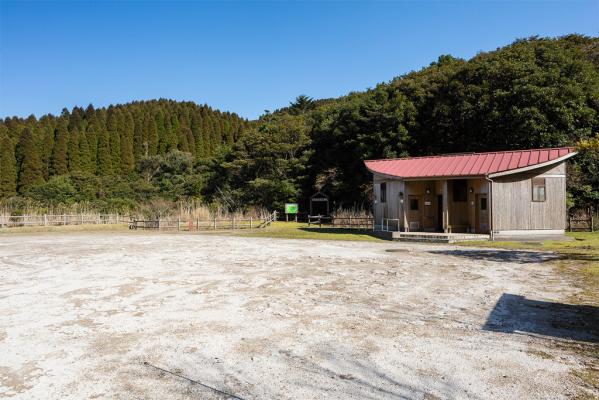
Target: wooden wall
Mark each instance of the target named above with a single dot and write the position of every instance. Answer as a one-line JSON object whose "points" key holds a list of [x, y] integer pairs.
{"points": [[513, 208], [390, 209]]}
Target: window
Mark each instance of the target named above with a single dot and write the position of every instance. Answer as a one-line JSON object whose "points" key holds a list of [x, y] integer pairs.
{"points": [[483, 204], [384, 192], [414, 205], [538, 189], [460, 190]]}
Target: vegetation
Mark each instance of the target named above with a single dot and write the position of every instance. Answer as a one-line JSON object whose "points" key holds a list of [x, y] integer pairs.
{"points": [[579, 257], [299, 230], [536, 92]]}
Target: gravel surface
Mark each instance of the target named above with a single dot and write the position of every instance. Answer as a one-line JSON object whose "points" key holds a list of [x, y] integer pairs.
{"points": [[161, 316]]}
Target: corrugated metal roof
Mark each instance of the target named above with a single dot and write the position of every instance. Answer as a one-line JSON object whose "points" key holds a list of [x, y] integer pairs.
{"points": [[473, 164]]}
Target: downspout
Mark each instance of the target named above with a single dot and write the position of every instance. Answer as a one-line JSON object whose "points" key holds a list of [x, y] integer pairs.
{"points": [[491, 208]]}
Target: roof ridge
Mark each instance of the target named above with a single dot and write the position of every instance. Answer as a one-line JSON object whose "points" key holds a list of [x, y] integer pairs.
{"points": [[469, 154]]}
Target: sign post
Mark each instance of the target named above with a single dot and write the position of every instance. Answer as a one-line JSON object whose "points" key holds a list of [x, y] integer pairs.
{"points": [[291, 208]]}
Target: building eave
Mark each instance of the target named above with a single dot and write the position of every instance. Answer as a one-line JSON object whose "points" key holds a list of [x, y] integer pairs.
{"points": [[532, 167]]}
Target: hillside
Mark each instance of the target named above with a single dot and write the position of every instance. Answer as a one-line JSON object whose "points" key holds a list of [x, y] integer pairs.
{"points": [[536, 92], [103, 147]]}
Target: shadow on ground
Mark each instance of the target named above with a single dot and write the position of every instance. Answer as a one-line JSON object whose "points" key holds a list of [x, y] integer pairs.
{"points": [[323, 374], [512, 256], [365, 232], [517, 314]]}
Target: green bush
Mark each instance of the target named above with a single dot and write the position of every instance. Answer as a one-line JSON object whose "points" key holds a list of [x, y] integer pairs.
{"points": [[58, 190]]}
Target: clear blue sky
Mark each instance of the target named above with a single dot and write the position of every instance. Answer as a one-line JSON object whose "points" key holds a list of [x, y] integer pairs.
{"points": [[247, 56]]}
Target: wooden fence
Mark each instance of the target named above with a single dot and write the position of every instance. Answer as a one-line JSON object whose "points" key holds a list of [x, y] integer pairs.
{"points": [[12, 221], [583, 220], [198, 224]]}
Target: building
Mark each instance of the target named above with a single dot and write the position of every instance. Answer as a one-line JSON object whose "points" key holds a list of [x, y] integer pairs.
{"points": [[497, 193]]}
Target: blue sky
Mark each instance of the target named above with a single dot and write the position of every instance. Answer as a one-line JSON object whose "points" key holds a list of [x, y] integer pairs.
{"points": [[247, 56]]}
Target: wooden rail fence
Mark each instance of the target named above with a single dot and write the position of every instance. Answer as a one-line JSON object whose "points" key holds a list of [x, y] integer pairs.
{"points": [[198, 224], [12, 221], [583, 220]]}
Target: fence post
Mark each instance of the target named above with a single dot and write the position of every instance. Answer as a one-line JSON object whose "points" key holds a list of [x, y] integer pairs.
{"points": [[569, 223], [214, 223], [45, 219], [233, 222], [64, 219], [250, 222]]}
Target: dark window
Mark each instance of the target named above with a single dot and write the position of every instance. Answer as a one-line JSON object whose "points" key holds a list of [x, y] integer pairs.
{"points": [[384, 192], [414, 205], [460, 190], [538, 189], [483, 204]]}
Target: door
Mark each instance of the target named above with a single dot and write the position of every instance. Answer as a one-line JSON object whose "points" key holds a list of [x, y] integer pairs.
{"points": [[380, 206], [428, 213], [415, 213], [482, 213]]}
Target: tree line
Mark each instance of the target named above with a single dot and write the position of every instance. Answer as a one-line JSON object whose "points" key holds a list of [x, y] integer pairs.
{"points": [[104, 147], [535, 92]]}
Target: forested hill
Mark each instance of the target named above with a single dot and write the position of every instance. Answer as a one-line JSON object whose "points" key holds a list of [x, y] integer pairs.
{"points": [[108, 141], [537, 92]]}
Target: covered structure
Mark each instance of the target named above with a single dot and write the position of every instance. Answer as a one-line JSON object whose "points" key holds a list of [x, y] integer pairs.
{"points": [[501, 193], [319, 204]]}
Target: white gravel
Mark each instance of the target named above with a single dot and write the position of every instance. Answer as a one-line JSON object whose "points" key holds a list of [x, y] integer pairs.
{"points": [[81, 314]]}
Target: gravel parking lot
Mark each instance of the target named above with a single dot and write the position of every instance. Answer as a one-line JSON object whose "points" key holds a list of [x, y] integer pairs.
{"points": [[158, 316]]}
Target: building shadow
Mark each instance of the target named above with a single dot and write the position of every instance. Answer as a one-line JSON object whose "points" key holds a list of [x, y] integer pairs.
{"points": [[517, 314], [498, 255]]}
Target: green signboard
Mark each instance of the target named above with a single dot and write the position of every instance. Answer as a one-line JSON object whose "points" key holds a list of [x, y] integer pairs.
{"points": [[291, 208]]}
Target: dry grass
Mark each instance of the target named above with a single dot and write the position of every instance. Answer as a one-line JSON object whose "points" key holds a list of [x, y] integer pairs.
{"points": [[580, 259]]}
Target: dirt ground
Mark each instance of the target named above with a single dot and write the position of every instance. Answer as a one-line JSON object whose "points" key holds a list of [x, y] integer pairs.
{"points": [[163, 316]]}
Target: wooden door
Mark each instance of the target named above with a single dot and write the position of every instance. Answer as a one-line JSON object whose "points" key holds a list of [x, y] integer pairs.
{"points": [[428, 212], [380, 205], [415, 206], [482, 213]]}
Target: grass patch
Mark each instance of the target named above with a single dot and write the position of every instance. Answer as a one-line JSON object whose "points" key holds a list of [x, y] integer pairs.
{"points": [[579, 258], [298, 230], [589, 377]]}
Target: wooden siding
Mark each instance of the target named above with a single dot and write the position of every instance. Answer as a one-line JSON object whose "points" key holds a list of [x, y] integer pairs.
{"points": [[513, 208], [391, 208]]}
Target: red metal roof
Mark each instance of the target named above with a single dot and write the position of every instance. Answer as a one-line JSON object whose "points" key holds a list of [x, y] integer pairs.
{"points": [[471, 164]]}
